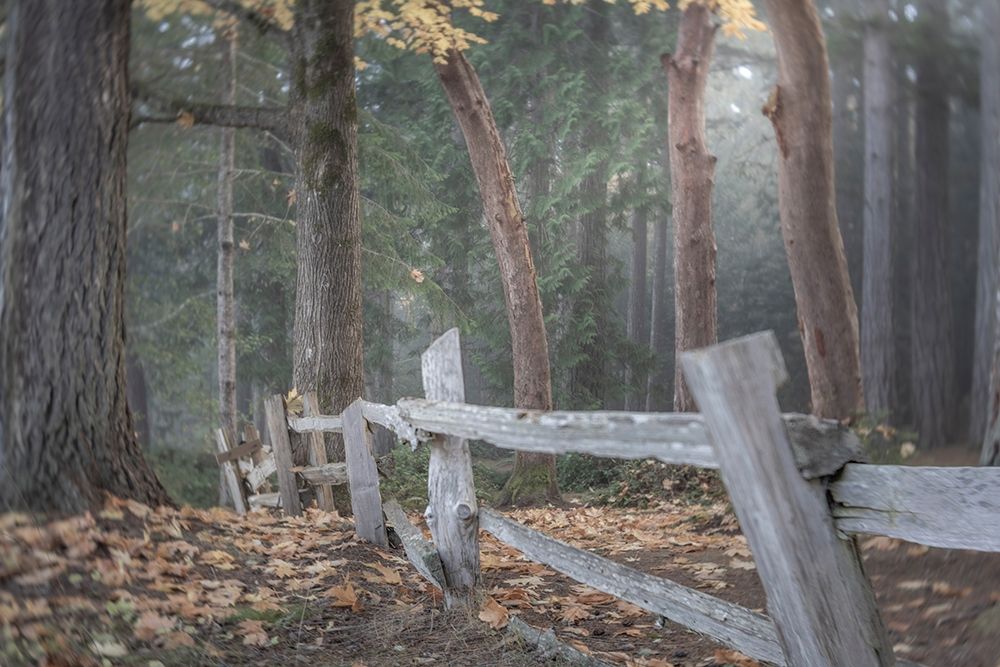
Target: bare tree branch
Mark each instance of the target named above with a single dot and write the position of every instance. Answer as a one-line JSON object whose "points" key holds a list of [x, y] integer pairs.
{"points": [[271, 119]]}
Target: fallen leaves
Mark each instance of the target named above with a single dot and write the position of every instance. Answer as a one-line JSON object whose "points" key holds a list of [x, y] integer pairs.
{"points": [[494, 614], [253, 633], [150, 624], [344, 595]]}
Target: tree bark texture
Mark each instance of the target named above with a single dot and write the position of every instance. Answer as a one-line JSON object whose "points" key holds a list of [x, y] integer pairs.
{"points": [[659, 390], [991, 440], [65, 431], [638, 311], [225, 319], [692, 171], [878, 350], [932, 356], [989, 221], [534, 474], [327, 355], [589, 377], [800, 110]]}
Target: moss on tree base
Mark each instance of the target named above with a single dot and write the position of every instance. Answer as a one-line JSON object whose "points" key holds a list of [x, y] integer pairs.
{"points": [[531, 483]]}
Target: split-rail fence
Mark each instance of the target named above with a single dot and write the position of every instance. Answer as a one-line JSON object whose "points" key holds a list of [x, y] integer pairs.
{"points": [[799, 487]]}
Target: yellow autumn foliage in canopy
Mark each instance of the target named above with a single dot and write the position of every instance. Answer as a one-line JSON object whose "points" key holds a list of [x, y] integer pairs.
{"points": [[425, 26]]}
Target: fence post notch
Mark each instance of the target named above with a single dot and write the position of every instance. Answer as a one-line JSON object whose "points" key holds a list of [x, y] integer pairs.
{"points": [[452, 512], [817, 593]]}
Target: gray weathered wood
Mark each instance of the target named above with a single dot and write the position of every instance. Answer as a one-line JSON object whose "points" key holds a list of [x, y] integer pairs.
{"points": [[954, 508], [328, 473], [265, 500], [549, 647], [452, 512], [317, 423], [281, 450], [246, 449], [317, 453], [421, 553], [231, 473], [257, 477], [389, 417], [366, 499], [817, 594], [729, 624], [821, 446]]}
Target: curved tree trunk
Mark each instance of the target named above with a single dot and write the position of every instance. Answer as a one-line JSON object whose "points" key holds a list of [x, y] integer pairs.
{"points": [[878, 359], [534, 476], [800, 110], [65, 431], [692, 169], [327, 355], [225, 318], [989, 221], [932, 356]]}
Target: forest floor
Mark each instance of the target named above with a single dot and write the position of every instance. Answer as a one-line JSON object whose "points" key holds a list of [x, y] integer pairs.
{"points": [[137, 586]]}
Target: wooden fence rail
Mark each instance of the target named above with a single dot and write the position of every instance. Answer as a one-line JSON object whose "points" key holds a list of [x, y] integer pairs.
{"points": [[799, 486]]}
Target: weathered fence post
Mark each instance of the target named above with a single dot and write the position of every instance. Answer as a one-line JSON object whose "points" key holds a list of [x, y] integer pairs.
{"points": [[817, 593], [231, 471], [452, 512], [362, 475], [281, 449], [317, 452]]}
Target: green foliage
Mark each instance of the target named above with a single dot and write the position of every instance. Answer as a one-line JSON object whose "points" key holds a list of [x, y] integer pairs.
{"points": [[191, 478]]}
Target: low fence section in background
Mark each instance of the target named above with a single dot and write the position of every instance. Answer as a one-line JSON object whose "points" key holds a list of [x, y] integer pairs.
{"points": [[799, 486]]}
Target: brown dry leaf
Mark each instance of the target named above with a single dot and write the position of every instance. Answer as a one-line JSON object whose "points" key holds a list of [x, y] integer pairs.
{"points": [[185, 119], [740, 564], [628, 609], [735, 658], [178, 639], [344, 596], [291, 197], [417, 275], [281, 569], [138, 509], [218, 559], [151, 624], [912, 584], [944, 588], [572, 613], [494, 614], [880, 543], [389, 574], [253, 633]]}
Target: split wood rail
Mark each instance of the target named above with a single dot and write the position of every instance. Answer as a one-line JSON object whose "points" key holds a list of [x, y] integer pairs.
{"points": [[799, 487]]}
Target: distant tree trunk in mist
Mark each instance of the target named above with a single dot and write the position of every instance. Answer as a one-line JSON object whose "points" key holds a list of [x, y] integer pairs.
{"points": [[225, 320], [991, 440], [989, 223], [65, 431], [327, 356], [589, 377], [692, 170], [878, 360], [932, 356], [534, 476], [903, 240], [800, 110], [638, 313], [658, 396]]}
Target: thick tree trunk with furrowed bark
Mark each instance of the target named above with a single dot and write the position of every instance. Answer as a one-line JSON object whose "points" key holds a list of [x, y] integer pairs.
{"points": [[225, 320], [878, 358], [932, 356], [692, 169], [800, 110], [982, 408], [534, 475], [65, 431], [327, 355]]}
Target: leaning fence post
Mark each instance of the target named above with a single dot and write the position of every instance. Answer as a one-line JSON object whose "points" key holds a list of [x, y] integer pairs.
{"points": [[281, 449], [817, 593], [452, 512], [231, 471], [362, 475], [317, 452]]}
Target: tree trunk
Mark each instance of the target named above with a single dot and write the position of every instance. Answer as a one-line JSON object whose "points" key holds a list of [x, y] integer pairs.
{"points": [[692, 169], [534, 476], [65, 431], [327, 354], [878, 360], [991, 440], [589, 377], [930, 318], [800, 110], [659, 390], [989, 220], [638, 313], [225, 320]]}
